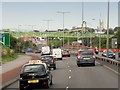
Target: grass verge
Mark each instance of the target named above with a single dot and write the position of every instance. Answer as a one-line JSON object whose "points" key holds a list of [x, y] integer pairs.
{"points": [[6, 59]]}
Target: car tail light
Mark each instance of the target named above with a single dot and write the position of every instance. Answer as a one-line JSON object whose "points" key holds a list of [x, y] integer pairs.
{"points": [[52, 60], [78, 55], [92, 52], [44, 82]]}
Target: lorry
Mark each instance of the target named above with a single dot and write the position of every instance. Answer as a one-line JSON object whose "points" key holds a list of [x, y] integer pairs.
{"points": [[57, 53]]}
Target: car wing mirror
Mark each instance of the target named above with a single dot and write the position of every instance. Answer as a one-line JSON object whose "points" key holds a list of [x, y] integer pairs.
{"points": [[47, 71]]}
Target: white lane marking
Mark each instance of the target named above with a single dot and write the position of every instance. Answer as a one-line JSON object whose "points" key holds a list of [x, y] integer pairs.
{"points": [[69, 77], [68, 66], [69, 70], [97, 62], [67, 88], [67, 63], [109, 68]]}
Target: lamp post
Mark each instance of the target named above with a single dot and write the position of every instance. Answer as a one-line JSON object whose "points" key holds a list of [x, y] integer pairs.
{"points": [[54, 43], [82, 20], [19, 37], [68, 39], [83, 28], [90, 33], [48, 22], [63, 13], [32, 27], [107, 44]]}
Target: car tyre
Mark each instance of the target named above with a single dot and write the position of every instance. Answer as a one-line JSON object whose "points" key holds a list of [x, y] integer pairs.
{"points": [[113, 57], [50, 69], [93, 64], [78, 65], [47, 86], [54, 68], [51, 83], [21, 88]]}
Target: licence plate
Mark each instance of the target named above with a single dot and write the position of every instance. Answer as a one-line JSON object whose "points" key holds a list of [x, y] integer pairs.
{"points": [[86, 58], [33, 81]]}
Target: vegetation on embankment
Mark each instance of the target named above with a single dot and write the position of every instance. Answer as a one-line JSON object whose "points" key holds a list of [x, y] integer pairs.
{"points": [[8, 55], [15, 49]]}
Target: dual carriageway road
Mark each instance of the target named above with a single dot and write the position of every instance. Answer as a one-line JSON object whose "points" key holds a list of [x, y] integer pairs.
{"points": [[69, 75]]}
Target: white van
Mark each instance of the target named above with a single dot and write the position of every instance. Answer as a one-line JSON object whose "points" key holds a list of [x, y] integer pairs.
{"points": [[57, 53], [45, 50]]}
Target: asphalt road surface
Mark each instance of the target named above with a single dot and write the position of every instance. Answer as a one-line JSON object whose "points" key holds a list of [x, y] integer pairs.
{"points": [[69, 75]]}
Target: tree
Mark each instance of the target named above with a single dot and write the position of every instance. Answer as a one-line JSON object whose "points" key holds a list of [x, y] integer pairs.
{"points": [[35, 31], [110, 31], [13, 42], [116, 28], [118, 38]]}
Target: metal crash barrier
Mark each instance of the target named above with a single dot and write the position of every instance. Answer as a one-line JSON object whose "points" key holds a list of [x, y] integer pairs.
{"points": [[109, 60]]}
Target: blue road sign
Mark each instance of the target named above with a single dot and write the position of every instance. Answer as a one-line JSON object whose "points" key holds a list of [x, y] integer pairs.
{"points": [[1, 36]]}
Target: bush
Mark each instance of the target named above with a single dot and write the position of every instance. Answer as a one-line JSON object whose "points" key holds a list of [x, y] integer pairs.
{"points": [[7, 52]]}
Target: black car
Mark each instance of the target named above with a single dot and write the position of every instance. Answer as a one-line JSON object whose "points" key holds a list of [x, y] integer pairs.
{"points": [[35, 76], [49, 60], [111, 54]]}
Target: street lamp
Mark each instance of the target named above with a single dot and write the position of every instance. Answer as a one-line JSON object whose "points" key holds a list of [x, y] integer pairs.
{"points": [[90, 34], [68, 39], [63, 13], [82, 20], [32, 26], [83, 28], [19, 37], [54, 41], [107, 44], [48, 22]]}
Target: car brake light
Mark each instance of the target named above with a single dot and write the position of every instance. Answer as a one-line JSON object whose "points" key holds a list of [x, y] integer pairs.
{"points": [[92, 52], [52, 60], [44, 82], [78, 55]]}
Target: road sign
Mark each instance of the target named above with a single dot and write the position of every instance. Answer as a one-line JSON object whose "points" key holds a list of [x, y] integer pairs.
{"points": [[5, 39], [0, 36]]}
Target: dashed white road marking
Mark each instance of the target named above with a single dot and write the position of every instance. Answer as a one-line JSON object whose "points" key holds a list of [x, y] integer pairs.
{"points": [[97, 62], [67, 63], [69, 77], [68, 66], [69, 70], [67, 88]]}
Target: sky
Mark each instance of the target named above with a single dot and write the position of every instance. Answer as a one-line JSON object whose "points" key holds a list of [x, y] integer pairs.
{"points": [[23, 15]]}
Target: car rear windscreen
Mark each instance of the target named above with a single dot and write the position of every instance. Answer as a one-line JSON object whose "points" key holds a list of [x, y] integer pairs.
{"points": [[34, 68], [48, 58], [86, 52]]}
